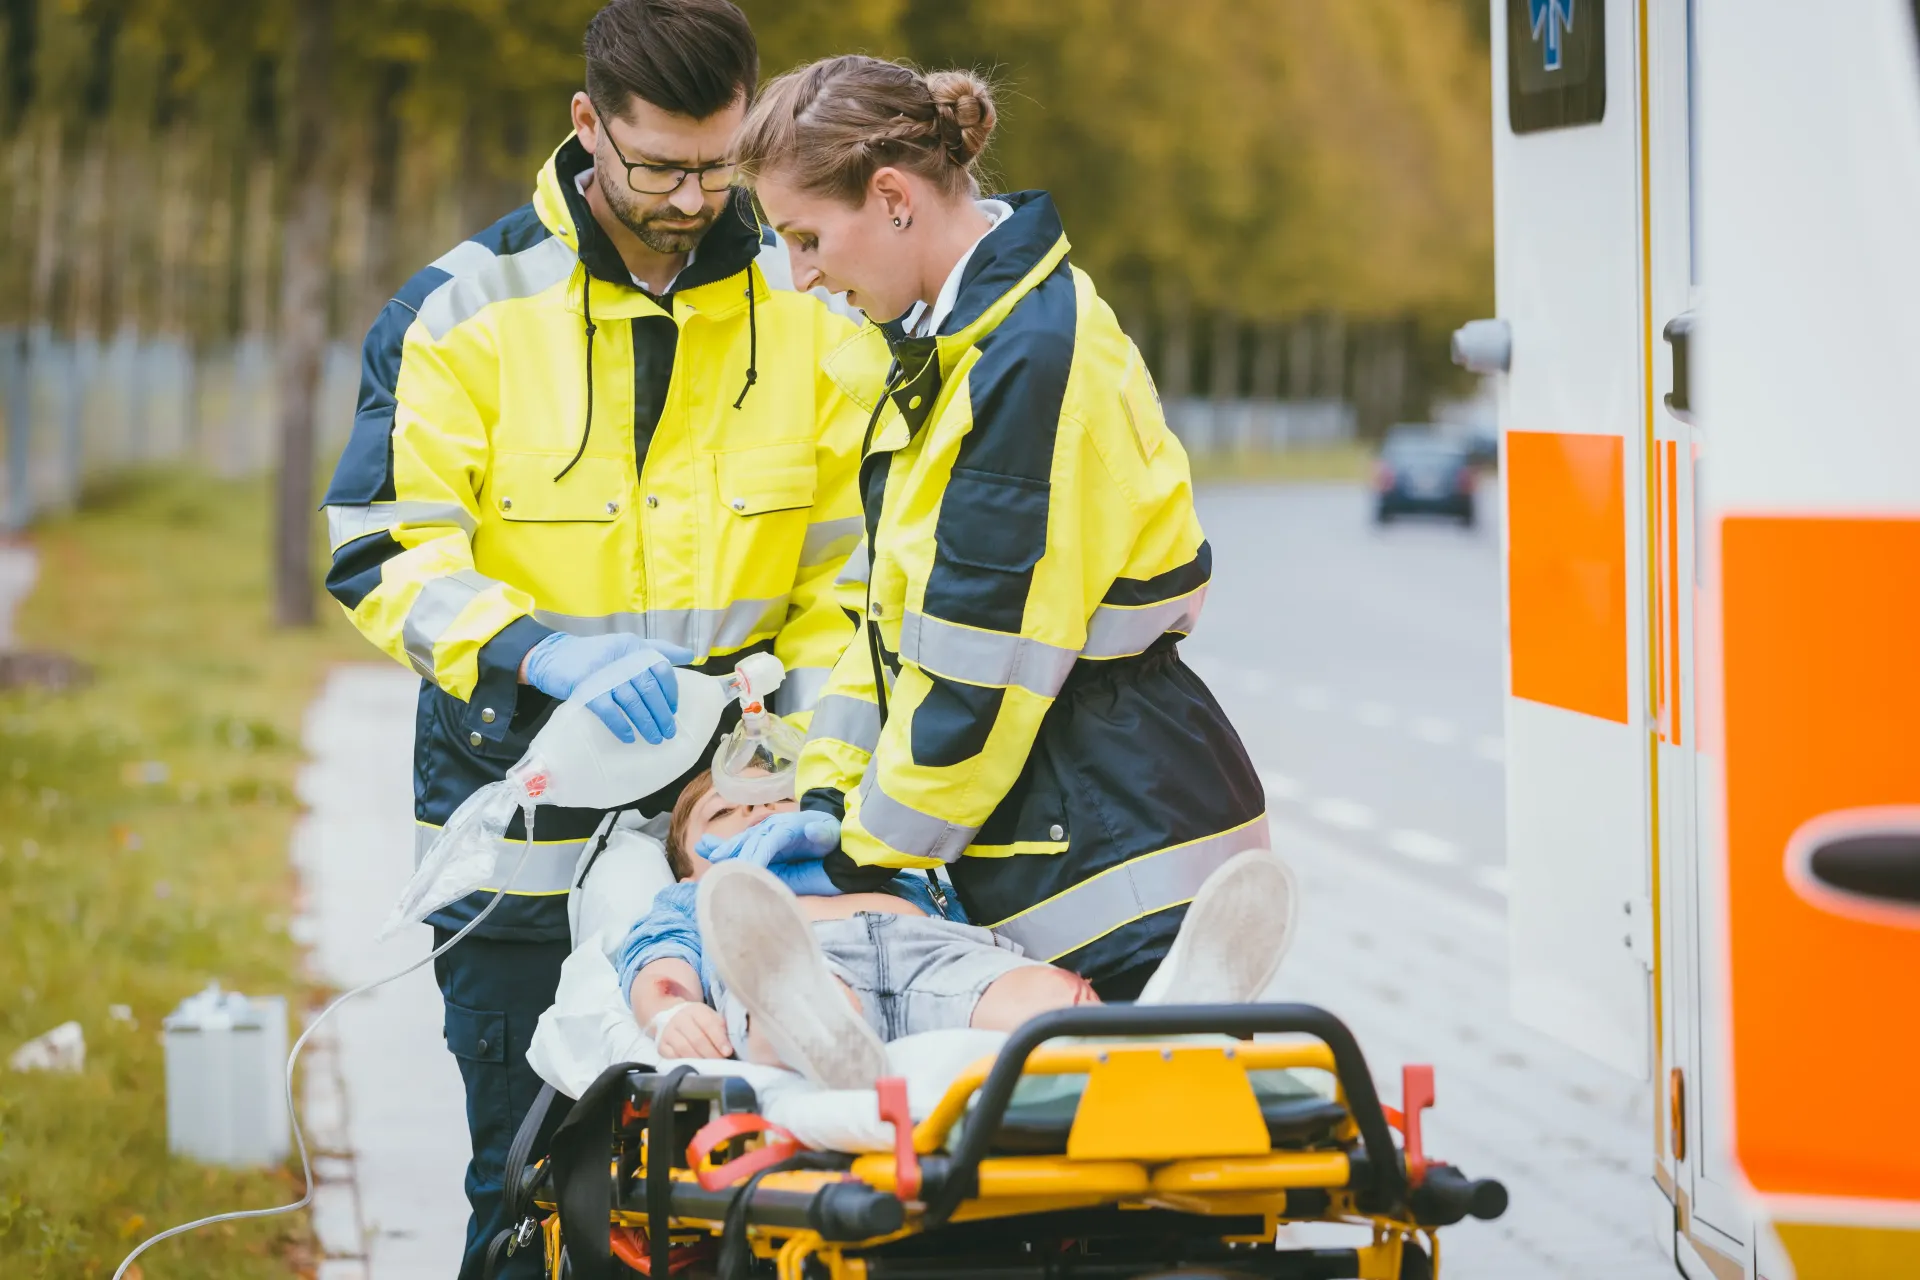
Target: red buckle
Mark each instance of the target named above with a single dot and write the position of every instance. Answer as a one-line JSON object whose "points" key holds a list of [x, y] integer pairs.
{"points": [[779, 1146], [632, 1247], [1416, 1095], [892, 1092]]}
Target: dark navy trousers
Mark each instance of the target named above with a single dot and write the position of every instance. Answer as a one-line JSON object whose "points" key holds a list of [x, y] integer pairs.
{"points": [[494, 993]]}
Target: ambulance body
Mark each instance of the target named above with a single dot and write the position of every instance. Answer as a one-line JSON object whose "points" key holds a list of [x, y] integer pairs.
{"points": [[1707, 217]]}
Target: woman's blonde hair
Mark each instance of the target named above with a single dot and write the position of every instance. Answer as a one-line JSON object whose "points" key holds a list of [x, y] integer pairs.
{"points": [[829, 125]]}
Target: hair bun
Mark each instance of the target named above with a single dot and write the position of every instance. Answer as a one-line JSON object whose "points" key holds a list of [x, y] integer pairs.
{"points": [[965, 105]]}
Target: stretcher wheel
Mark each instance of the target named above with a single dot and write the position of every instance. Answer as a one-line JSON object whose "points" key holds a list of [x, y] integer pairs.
{"points": [[1414, 1262]]}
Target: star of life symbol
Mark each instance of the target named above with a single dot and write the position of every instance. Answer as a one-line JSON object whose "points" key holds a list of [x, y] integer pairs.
{"points": [[1552, 22]]}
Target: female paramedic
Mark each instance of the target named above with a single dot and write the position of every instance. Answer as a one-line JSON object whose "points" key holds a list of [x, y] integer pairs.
{"points": [[1015, 709]]}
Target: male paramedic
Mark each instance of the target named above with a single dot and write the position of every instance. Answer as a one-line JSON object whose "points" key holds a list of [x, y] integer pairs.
{"points": [[597, 428]]}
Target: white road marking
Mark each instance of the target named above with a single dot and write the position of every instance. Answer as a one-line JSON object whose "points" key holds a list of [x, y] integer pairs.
{"points": [[1280, 787], [1348, 815], [1435, 730], [1490, 748], [1422, 847], [1311, 697], [1375, 715], [1494, 878]]}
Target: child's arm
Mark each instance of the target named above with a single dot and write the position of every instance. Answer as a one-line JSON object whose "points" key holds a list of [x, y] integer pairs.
{"points": [[659, 967], [666, 1002]]}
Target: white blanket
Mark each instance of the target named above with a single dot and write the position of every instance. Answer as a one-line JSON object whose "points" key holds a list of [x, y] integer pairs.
{"points": [[590, 1027]]}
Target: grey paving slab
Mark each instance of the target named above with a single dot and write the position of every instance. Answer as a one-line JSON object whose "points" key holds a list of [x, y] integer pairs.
{"points": [[400, 1089], [1420, 976]]}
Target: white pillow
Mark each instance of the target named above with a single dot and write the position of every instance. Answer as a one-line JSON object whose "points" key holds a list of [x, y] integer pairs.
{"points": [[619, 887]]}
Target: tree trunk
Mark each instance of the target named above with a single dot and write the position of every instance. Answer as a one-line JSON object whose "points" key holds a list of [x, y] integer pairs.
{"points": [[1224, 382], [1300, 360], [1176, 369], [303, 312]]}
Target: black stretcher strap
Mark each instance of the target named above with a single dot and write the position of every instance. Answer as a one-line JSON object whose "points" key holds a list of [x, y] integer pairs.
{"points": [[582, 1191], [662, 1142], [520, 1155]]}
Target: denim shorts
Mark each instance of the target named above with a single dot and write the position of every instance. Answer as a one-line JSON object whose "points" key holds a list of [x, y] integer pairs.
{"points": [[912, 973]]}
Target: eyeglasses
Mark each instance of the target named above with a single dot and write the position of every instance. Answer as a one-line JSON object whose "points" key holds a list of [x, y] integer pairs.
{"points": [[665, 179]]}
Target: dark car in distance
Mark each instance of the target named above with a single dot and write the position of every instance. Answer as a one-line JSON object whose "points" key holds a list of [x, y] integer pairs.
{"points": [[1420, 473]]}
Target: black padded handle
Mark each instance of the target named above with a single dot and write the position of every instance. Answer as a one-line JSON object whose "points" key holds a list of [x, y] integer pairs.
{"points": [[1380, 1181], [1446, 1195]]}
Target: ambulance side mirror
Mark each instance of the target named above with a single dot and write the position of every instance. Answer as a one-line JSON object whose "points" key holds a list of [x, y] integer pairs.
{"points": [[1679, 334], [1483, 346]]}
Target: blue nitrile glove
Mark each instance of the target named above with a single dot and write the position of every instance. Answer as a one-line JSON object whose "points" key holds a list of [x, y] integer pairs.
{"points": [[646, 703], [790, 845]]}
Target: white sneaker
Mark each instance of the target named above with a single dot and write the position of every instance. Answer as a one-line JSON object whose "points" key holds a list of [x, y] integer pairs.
{"points": [[762, 947], [1237, 931]]}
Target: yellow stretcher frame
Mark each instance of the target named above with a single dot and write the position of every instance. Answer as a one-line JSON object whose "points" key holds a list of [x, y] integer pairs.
{"points": [[1167, 1137]]}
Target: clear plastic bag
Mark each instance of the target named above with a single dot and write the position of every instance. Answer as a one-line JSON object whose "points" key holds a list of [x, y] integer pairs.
{"points": [[462, 857]]}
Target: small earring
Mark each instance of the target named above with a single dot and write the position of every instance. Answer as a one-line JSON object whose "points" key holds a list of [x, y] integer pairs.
{"points": [[896, 224], [902, 226]]}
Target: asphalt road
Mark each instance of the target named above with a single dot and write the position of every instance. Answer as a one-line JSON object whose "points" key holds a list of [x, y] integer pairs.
{"points": [[1363, 668]]}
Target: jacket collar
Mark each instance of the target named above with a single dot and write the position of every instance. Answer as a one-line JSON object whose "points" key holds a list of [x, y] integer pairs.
{"points": [[1006, 266], [730, 246]]}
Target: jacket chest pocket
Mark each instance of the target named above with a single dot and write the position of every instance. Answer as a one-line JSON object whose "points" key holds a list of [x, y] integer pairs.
{"points": [[764, 478], [523, 489]]}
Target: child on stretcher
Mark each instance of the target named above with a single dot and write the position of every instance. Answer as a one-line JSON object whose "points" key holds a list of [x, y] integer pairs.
{"points": [[733, 961]]}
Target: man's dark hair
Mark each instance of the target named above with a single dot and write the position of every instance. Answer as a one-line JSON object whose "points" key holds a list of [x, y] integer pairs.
{"points": [[691, 57]]}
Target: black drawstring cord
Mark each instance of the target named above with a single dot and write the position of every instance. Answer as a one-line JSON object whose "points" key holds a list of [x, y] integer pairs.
{"points": [[586, 306], [753, 344]]}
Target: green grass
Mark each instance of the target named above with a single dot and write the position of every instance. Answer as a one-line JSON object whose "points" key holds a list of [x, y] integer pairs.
{"points": [[1350, 461], [144, 821]]}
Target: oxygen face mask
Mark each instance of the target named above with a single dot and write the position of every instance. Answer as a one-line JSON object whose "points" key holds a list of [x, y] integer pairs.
{"points": [[755, 763]]}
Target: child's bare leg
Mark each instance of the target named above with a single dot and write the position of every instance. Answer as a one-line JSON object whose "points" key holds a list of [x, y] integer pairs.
{"points": [[1020, 994], [758, 1050]]}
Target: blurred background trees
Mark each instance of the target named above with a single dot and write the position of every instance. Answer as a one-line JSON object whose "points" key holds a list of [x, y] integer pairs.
{"points": [[204, 202]]}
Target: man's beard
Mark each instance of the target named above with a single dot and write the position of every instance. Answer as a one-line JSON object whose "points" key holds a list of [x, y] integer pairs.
{"points": [[645, 225]]}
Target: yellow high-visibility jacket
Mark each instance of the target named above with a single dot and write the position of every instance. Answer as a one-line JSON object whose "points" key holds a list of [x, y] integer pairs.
{"points": [[541, 445], [1014, 708]]}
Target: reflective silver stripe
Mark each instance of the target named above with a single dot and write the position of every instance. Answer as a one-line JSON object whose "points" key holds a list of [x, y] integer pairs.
{"points": [[1115, 632], [828, 539], [549, 867], [1120, 895], [345, 524], [906, 829], [856, 568], [984, 657], [434, 610], [701, 630], [481, 278], [853, 721], [801, 689]]}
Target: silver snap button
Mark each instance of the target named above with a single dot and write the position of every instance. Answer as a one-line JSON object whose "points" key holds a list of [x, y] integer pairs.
{"points": [[613, 508], [652, 500], [474, 739], [874, 610], [483, 1046], [486, 715], [506, 504], [1056, 832], [739, 504]]}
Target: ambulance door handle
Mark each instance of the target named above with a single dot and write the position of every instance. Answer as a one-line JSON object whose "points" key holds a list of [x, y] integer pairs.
{"points": [[1679, 336], [1863, 863], [1483, 346]]}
